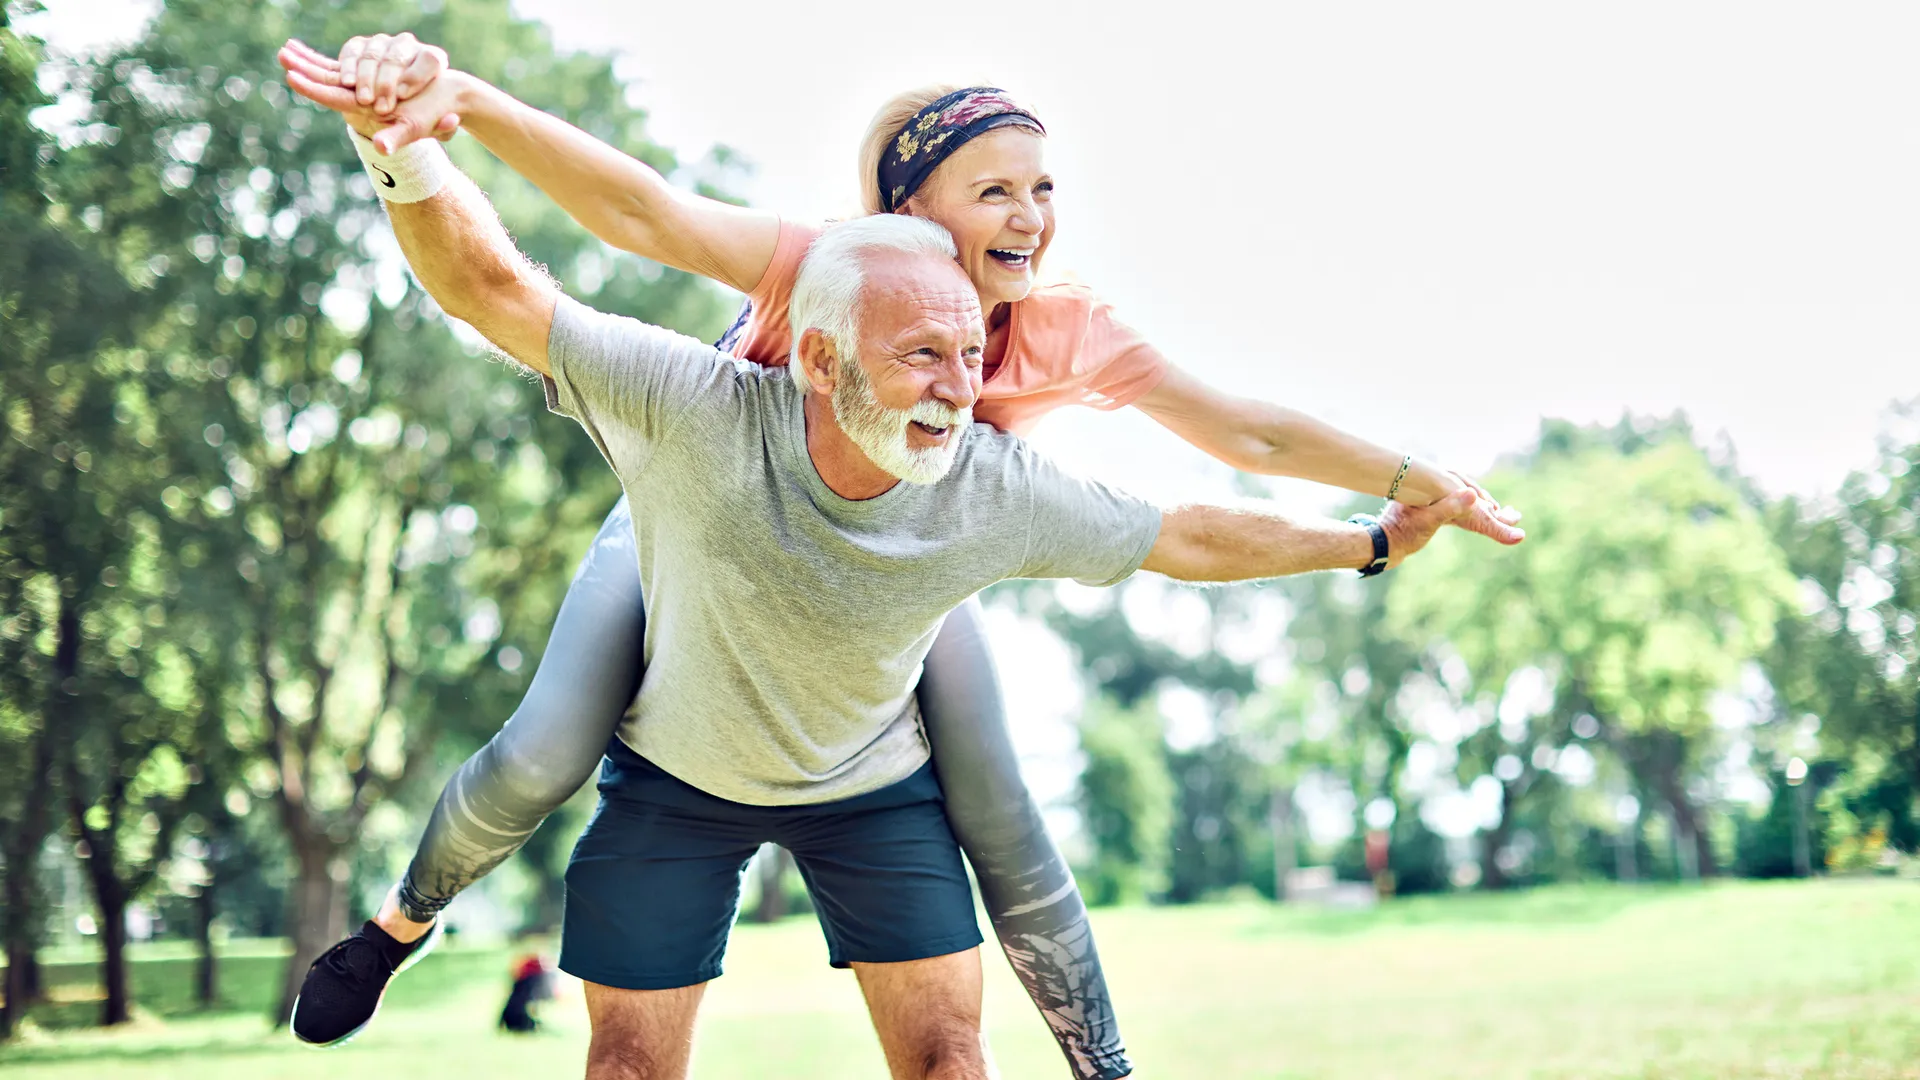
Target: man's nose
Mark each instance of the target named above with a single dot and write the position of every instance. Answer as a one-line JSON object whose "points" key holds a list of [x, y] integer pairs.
{"points": [[956, 384]]}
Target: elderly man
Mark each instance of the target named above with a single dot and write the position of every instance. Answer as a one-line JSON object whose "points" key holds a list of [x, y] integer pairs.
{"points": [[794, 585]]}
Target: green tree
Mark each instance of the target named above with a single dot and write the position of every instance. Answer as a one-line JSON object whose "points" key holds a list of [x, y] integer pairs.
{"points": [[78, 537], [1220, 833], [28, 684], [1349, 673], [1126, 801], [1208, 823], [387, 519], [1849, 655], [1645, 586]]}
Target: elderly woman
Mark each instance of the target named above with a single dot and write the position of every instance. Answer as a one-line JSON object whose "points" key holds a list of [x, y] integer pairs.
{"points": [[973, 160]]}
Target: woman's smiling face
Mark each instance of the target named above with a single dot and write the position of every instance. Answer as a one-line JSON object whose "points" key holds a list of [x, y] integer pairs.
{"points": [[996, 198]]}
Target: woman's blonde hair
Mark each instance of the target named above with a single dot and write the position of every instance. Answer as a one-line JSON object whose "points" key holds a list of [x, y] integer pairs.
{"points": [[880, 132]]}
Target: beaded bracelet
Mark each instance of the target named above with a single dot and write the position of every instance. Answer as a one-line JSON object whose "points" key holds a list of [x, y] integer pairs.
{"points": [[1405, 464]]}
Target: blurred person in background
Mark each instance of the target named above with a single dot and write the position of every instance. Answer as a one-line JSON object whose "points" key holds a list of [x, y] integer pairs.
{"points": [[532, 984]]}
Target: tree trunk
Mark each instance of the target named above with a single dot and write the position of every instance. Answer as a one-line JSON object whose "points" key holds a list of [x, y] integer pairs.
{"points": [[1285, 852], [1492, 876], [110, 897], [19, 993], [773, 874], [19, 913], [1626, 846], [110, 903], [1685, 861], [1687, 833], [110, 894], [1802, 844], [1658, 760], [317, 914], [206, 973]]}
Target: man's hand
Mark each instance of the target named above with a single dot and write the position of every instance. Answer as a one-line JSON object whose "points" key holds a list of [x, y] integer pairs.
{"points": [[1410, 527], [433, 111]]}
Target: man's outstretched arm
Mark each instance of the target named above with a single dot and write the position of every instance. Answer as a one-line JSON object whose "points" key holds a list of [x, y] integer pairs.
{"points": [[1217, 543], [455, 243], [470, 266]]}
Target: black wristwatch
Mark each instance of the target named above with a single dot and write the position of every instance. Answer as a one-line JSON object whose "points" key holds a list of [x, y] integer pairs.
{"points": [[1379, 535]]}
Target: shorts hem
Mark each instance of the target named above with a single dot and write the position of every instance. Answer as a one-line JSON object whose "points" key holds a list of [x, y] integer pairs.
{"points": [[626, 980], [923, 951]]}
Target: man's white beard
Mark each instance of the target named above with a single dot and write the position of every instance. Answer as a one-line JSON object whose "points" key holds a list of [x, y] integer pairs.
{"points": [[881, 433]]}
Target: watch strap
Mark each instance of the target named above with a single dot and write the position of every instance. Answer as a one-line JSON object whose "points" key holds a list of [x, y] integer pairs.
{"points": [[1379, 536]]}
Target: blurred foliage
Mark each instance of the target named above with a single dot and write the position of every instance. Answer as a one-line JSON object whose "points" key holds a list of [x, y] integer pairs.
{"points": [[270, 527], [1577, 678], [1845, 663], [43, 317], [1220, 835], [1126, 801], [277, 542], [1644, 587]]}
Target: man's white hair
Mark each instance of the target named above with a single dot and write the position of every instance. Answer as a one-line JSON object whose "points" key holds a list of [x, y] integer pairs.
{"points": [[826, 294]]}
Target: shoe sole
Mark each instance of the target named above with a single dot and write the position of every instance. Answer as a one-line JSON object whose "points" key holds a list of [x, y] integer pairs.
{"points": [[433, 938]]}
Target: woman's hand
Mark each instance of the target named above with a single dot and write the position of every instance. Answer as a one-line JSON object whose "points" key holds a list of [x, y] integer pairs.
{"points": [[1488, 518], [618, 198], [384, 70], [430, 110]]}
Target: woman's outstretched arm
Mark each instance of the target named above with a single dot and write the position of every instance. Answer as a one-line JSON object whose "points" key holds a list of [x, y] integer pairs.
{"points": [[1272, 440], [618, 198]]}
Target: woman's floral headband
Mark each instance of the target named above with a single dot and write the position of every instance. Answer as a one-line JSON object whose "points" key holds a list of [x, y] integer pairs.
{"points": [[938, 130]]}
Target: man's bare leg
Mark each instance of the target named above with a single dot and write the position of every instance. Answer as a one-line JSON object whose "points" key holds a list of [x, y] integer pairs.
{"points": [[927, 1013], [641, 1034]]}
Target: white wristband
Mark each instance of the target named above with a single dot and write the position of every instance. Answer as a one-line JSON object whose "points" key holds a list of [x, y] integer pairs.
{"points": [[410, 174]]}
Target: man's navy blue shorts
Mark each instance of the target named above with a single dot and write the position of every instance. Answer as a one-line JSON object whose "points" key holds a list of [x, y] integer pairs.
{"points": [[654, 883]]}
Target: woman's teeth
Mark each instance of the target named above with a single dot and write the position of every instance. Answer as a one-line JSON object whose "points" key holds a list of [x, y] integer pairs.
{"points": [[1011, 258]]}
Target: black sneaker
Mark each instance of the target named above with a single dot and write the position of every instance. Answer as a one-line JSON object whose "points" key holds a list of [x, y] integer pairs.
{"points": [[343, 988]]}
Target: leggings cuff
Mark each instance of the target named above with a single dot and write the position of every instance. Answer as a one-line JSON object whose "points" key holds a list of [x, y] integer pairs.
{"points": [[416, 905], [1100, 1064]]}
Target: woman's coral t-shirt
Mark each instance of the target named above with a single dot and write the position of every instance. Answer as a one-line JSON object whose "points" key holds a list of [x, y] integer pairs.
{"points": [[1064, 347]]}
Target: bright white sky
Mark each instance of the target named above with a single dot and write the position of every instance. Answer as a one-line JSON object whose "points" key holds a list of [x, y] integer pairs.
{"points": [[1434, 224]]}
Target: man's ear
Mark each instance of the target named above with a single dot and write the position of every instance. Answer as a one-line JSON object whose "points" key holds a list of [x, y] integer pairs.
{"points": [[819, 360]]}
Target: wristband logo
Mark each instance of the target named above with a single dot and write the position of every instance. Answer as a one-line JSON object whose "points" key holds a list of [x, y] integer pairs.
{"points": [[385, 176]]}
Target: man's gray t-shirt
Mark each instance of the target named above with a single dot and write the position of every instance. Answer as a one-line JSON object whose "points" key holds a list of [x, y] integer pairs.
{"points": [[786, 625]]}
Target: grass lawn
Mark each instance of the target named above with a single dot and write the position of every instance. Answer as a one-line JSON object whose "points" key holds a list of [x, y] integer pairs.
{"points": [[1741, 980]]}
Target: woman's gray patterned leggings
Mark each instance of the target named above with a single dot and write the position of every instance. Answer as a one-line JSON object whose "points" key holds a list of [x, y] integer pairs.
{"points": [[587, 678]]}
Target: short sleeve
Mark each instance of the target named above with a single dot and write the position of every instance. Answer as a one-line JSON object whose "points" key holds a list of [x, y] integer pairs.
{"points": [[767, 336], [1083, 529], [625, 381], [1122, 366], [1068, 349], [776, 284]]}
